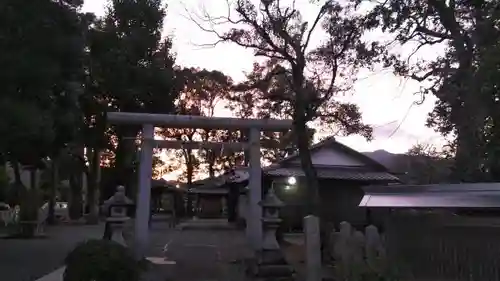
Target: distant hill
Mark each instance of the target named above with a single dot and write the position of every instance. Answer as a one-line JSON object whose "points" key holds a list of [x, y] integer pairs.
{"points": [[413, 169], [389, 160]]}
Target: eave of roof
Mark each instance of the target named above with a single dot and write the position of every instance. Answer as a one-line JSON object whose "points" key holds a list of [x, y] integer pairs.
{"points": [[474, 195], [338, 174]]}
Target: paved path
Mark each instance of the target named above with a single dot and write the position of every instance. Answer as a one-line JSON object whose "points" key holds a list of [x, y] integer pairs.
{"points": [[199, 254], [28, 260]]}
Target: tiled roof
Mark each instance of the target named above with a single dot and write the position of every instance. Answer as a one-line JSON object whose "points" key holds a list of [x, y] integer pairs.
{"points": [[339, 174]]}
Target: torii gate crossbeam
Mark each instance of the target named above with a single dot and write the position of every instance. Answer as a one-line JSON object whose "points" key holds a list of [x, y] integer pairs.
{"points": [[148, 122]]}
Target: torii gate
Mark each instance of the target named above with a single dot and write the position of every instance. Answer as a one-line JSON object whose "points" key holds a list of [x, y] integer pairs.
{"points": [[148, 122]]}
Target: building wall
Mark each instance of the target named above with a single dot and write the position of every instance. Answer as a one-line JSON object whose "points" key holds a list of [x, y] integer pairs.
{"points": [[339, 202], [211, 206]]}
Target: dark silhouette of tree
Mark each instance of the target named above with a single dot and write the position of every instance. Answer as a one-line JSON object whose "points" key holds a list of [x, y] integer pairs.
{"points": [[130, 69], [41, 83], [281, 36], [464, 79]]}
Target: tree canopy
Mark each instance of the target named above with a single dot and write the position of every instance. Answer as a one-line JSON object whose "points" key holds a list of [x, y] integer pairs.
{"points": [[463, 76], [40, 78]]}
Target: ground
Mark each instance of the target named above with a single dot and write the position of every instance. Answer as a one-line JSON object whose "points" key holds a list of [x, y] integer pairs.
{"points": [[27, 260], [200, 254]]}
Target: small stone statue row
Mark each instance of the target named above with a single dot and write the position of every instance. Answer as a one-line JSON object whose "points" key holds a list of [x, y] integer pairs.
{"points": [[357, 253]]}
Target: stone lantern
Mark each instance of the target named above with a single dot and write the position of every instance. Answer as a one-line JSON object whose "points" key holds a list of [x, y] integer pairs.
{"points": [[271, 263], [117, 206]]}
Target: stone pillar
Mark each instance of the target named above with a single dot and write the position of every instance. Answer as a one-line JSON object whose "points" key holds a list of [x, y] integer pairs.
{"points": [[144, 191], [254, 211], [313, 248]]}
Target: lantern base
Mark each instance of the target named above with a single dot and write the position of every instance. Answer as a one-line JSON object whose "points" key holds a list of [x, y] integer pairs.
{"points": [[271, 265]]}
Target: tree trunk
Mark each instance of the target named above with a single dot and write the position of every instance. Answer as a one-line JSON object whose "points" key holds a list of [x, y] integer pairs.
{"points": [[189, 172], [92, 186], [469, 158], [302, 140], [126, 151], [75, 202], [19, 187], [54, 182], [311, 178], [17, 173], [246, 152], [76, 186], [211, 162], [33, 181]]}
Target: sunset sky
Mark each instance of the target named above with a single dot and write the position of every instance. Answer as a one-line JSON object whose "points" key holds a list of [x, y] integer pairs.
{"points": [[384, 99]]}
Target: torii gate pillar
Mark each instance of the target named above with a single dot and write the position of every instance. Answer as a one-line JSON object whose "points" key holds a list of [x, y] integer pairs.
{"points": [[143, 202], [254, 211]]}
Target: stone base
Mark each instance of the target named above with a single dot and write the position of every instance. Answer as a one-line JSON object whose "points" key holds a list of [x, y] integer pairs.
{"points": [[271, 265]]}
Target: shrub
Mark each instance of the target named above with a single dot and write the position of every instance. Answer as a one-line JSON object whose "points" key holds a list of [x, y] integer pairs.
{"points": [[102, 260]]}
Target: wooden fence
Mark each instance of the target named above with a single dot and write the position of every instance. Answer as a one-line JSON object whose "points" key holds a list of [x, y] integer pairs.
{"points": [[444, 247]]}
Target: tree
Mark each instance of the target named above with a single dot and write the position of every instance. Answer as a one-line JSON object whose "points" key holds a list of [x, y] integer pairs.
{"points": [[40, 80], [202, 92], [39, 77], [464, 79], [280, 35], [131, 70], [427, 165]]}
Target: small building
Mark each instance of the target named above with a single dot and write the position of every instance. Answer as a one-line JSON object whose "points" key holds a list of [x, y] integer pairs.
{"points": [[216, 197]]}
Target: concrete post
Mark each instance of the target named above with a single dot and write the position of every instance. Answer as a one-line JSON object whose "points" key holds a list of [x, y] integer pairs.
{"points": [[254, 213], [313, 248], [144, 191]]}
